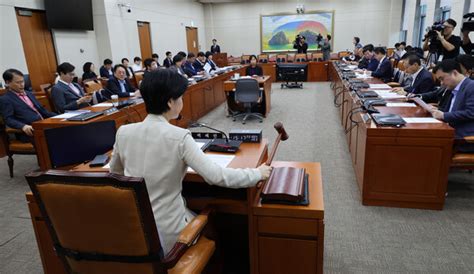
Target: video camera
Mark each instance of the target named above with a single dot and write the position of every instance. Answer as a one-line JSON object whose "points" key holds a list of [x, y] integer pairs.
{"points": [[468, 25], [435, 44], [297, 39]]}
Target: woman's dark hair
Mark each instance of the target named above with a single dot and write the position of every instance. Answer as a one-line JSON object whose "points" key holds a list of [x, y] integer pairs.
{"points": [[147, 63], [357, 39], [208, 53], [159, 86], [252, 56], [65, 68], [447, 66], [124, 59], [119, 66], [8, 74], [107, 62], [87, 67], [178, 58]]}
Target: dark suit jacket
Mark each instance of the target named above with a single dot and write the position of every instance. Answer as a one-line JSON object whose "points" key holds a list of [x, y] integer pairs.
{"points": [[65, 99], [130, 73], [189, 69], [461, 117], [254, 71], [104, 72], [423, 83], [215, 49], [89, 75], [372, 64], [113, 86], [440, 96], [384, 71], [167, 62], [17, 113], [212, 64], [198, 66]]}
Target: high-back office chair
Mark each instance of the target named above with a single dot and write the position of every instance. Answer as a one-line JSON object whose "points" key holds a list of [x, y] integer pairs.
{"points": [[301, 57], [317, 56], [263, 58], [290, 57], [139, 77], [13, 146], [46, 89], [344, 54], [245, 59], [281, 58], [249, 93], [104, 223], [92, 85]]}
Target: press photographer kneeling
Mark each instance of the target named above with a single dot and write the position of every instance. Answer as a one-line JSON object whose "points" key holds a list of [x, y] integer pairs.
{"points": [[439, 40]]}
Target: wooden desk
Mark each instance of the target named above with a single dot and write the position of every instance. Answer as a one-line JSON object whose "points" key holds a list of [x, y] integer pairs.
{"points": [[399, 167], [264, 106], [198, 100], [290, 239], [317, 71]]}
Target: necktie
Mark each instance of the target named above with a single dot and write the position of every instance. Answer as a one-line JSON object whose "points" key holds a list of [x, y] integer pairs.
{"points": [[30, 104]]}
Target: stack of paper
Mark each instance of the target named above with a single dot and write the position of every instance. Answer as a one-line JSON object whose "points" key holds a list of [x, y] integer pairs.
{"points": [[379, 86], [420, 120], [400, 105], [220, 159], [392, 96]]}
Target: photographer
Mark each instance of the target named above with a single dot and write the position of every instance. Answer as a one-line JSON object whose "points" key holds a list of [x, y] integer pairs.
{"points": [[300, 44], [467, 45], [449, 44]]}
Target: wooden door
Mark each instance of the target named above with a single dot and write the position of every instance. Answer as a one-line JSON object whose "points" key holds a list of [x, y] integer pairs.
{"points": [[38, 47], [145, 39], [192, 39]]}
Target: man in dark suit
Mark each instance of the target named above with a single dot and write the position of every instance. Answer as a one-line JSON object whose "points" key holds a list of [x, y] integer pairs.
{"points": [[168, 60], [368, 62], [215, 47], [188, 66], [119, 83], [422, 80], [178, 61], [200, 62], [67, 95], [106, 70], [19, 107], [384, 69], [128, 69], [459, 112]]}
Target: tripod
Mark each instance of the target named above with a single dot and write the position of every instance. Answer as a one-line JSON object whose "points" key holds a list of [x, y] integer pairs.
{"points": [[432, 58]]}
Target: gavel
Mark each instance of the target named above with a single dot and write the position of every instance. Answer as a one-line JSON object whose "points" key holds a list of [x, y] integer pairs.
{"points": [[282, 136]]}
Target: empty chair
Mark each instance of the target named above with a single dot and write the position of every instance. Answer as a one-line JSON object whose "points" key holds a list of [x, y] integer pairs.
{"points": [[301, 57], [317, 56], [245, 59], [104, 223], [263, 58], [92, 86], [248, 93], [281, 58]]}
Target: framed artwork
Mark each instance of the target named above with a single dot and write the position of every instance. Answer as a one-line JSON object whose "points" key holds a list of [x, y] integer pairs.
{"points": [[278, 31]]}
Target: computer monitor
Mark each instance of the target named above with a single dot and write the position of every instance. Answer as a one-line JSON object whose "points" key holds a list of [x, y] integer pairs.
{"points": [[292, 72], [76, 144]]}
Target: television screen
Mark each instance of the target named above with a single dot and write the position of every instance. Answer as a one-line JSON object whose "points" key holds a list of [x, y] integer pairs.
{"points": [[69, 14]]}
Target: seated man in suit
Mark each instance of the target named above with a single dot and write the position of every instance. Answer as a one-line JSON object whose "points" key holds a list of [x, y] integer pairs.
{"points": [[384, 69], [210, 62], [178, 61], [168, 62], [19, 107], [200, 62], [150, 65], [371, 63], [459, 111], [128, 69], [422, 79], [137, 64], [106, 70], [253, 69], [67, 95], [119, 83], [188, 66]]}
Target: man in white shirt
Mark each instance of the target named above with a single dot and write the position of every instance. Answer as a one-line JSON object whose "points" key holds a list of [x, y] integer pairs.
{"points": [[137, 64]]}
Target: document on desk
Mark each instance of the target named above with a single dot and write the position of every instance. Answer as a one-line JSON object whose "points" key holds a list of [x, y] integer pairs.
{"points": [[392, 95], [107, 166], [401, 105], [382, 91], [103, 105], [420, 120], [362, 76], [379, 86], [219, 159], [70, 114]]}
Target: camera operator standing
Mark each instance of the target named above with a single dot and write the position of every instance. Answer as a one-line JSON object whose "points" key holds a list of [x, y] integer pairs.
{"points": [[444, 43], [300, 44]]}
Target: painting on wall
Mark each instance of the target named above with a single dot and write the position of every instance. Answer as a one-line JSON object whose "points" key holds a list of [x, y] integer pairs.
{"points": [[278, 31]]}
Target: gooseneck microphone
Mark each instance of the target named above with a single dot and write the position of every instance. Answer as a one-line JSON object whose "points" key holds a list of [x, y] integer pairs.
{"points": [[197, 124], [219, 145]]}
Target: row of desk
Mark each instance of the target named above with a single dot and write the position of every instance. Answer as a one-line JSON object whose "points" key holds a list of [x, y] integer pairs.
{"points": [[398, 167], [278, 238]]}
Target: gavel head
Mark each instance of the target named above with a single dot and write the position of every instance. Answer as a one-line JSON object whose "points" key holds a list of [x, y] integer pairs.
{"points": [[281, 130]]}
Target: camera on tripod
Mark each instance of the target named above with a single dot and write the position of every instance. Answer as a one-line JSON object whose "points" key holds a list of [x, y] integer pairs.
{"points": [[468, 25], [432, 35]]}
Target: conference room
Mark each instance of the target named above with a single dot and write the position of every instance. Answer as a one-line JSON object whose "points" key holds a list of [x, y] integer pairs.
{"points": [[236, 136]]}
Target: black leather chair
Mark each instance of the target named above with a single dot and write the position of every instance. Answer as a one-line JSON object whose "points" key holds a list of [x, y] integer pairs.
{"points": [[248, 93]]}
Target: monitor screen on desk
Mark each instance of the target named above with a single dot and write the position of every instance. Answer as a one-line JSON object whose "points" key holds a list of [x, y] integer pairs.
{"points": [[292, 72], [76, 144]]}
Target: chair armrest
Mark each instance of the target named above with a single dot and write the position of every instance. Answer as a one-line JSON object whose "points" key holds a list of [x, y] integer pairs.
{"points": [[465, 140], [13, 130], [186, 238]]}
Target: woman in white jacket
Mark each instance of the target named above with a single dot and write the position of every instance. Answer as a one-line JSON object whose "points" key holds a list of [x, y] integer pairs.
{"points": [[161, 153]]}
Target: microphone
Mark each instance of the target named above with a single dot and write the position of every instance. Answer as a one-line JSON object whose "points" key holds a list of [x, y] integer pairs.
{"points": [[219, 145]]}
